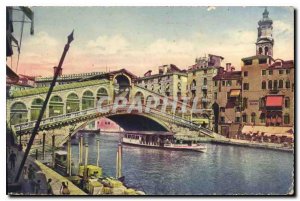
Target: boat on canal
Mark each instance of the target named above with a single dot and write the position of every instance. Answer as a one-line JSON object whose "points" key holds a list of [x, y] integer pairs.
{"points": [[159, 140]]}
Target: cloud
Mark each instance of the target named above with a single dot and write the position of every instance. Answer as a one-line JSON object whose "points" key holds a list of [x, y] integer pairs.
{"points": [[108, 44]]}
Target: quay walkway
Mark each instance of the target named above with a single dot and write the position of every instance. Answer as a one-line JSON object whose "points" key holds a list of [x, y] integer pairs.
{"points": [[57, 179], [236, 142]]}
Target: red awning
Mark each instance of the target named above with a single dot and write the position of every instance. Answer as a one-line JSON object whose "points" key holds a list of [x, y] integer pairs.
{"points": [[274, 101]]}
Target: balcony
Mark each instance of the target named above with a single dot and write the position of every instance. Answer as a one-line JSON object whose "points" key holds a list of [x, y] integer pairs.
{"points": [[204, 87]]}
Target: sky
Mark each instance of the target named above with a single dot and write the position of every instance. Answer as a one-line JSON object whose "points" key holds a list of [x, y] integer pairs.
{"points": [[143, 38]]}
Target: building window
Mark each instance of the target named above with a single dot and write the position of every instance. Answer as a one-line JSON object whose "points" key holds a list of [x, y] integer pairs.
{"points": [[275, 84], [245, 73], [228, 83], [205, 81], [205, 71], [270, 72], [287, 71], [216, 83], [222, 119], [287, 102], [286, 119], [262, 61], [215, 95], [248, 62], [245, 103], [280, 86], [263, 85], [223, 83], [263, 72], [253, 116], [237, 119], [270, 84], [246, 86], [287, 84], [222, 109], [262, 118], [262, 103], [244, 118], [280, 72]]}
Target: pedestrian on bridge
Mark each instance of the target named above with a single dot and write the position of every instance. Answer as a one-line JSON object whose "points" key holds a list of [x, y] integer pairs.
{"points": [[12, 160]]}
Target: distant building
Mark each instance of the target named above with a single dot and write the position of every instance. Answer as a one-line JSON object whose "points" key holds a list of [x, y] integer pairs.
{"points": [[227, 97], [170, 81], [200, 85]]}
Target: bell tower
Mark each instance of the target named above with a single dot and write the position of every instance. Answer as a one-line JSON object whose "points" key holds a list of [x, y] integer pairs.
{"points": [[265, 41]]}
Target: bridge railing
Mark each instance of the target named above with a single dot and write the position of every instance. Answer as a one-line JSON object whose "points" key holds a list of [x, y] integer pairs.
{"points": [[111, 109]]}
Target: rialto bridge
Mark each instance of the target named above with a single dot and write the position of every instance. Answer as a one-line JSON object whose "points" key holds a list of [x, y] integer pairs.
{"points": [[72, 106]]}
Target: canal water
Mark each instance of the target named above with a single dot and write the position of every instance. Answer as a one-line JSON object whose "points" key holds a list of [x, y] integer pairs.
{"points": [[222, 170]]}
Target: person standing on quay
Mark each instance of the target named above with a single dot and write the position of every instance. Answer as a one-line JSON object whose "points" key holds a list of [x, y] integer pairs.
{"points": [[12, 160]]}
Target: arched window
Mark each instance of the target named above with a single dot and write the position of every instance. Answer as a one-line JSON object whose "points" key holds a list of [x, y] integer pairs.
{"points": [[263, 85], [287, 84], [280, 86], [262, 103], [260, 50], [263, 118], [88, 100], [244, 118], [205, 81], [287, 102], [56, 106], [266, 51], [72, 104], [253, 116], [270, 84], [139, 96], [36, 107], [193, 85], [245, 103], [275, 84], [286, 119], [18, 113]]}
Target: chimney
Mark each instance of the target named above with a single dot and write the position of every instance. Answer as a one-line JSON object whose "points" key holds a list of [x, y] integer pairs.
{"points": [[59, 73], [148, 73], [232, 68], [228, 66]]}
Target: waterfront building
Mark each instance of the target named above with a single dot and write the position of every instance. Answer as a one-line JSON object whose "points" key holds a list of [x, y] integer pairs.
{"points": [[268, 86], [227, 95], [200, 86], [169, 81]]}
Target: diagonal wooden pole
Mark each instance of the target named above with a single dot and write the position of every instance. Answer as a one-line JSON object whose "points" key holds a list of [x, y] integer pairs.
{"points": [[37, 124]]}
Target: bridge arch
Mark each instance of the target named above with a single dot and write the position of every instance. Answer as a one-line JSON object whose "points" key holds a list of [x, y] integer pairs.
{"points": [[103, 92], [18, 113], [88, 100], [140, 95], [56, 106], [72, 103], [36, 107]]}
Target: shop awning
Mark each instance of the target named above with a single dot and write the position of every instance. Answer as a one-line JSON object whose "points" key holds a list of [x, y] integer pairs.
{"points": [[235, 92], [274, 101]]}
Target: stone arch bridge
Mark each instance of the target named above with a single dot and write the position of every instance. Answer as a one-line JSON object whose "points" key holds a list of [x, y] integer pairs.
{"points": [[73, 105]]}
